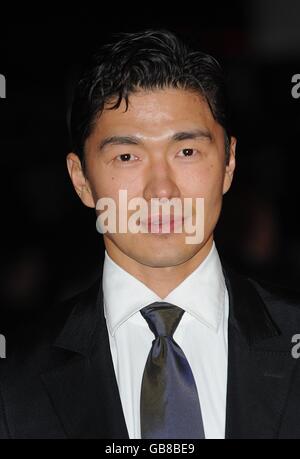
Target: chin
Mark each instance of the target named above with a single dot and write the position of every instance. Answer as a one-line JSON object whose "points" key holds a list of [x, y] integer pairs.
{"points": [[157, 252], [166, 257]]}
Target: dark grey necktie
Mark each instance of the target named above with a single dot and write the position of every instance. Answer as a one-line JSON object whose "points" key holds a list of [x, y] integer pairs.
{"points": [[170, 406]]}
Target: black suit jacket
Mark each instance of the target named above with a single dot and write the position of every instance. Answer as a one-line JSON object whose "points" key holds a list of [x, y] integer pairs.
{"points": [[58, 378]]}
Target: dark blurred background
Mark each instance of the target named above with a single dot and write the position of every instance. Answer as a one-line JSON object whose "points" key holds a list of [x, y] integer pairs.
{"points": [[50, 246]]}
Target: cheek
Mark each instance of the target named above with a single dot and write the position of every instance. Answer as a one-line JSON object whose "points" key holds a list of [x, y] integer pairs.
{"points": [[215, 178], [103, 183], [110, 185], [206, 182]]}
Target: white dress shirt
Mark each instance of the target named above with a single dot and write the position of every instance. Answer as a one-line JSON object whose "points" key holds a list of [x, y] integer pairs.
{"points": [[201, 333]]}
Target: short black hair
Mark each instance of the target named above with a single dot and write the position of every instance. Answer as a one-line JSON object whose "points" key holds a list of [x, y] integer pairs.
{"points": [[152, 59]]}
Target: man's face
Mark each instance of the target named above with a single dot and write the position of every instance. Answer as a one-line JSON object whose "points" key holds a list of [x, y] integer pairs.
{"points": [[171, 147]]}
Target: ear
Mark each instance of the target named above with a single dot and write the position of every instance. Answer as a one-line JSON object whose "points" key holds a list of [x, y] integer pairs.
{"points": [[79, 180], [230, 166]]}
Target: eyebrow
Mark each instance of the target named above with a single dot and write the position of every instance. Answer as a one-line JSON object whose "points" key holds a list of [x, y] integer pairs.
{"points": [[177, 137]]}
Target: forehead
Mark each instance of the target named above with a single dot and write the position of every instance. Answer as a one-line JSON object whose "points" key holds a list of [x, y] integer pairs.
{"points": [[153, 111]]}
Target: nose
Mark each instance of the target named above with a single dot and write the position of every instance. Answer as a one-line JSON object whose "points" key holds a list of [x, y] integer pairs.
{"points": [[160, 181]]}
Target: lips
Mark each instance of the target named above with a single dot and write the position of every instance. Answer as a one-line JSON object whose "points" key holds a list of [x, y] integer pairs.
{"points": [[157, 223], [160, 220]]}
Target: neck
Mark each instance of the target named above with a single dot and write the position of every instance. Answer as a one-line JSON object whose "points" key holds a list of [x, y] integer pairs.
{"points": [[161, 280]]}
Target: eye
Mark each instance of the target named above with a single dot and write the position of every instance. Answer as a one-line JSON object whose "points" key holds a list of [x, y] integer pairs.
{"points": [[125, 157], [186, 152]]}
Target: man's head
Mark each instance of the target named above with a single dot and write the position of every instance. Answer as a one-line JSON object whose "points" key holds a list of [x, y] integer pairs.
{"points": [[150, 117]]}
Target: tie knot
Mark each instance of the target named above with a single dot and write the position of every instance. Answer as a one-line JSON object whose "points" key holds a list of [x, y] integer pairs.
{"points": [[162, 318]]}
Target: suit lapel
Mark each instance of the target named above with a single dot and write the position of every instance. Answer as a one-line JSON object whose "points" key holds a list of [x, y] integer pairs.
{"points": [[84, 390], [259, 364]]}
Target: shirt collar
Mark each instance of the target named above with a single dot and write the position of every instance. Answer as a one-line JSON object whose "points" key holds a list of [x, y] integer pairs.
{"points": [[201, 294]]}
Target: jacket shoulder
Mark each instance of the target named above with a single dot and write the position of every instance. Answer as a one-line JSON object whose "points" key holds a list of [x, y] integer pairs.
{"points": [[256, 300], [282, 303], [277, 294], [39, 329]]}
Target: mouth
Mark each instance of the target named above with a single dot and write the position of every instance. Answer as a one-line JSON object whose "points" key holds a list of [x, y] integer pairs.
{"points": [[162, 224]]}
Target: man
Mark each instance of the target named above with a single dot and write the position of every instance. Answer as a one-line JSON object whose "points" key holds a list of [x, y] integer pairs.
{"points": [[169, 342]]}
